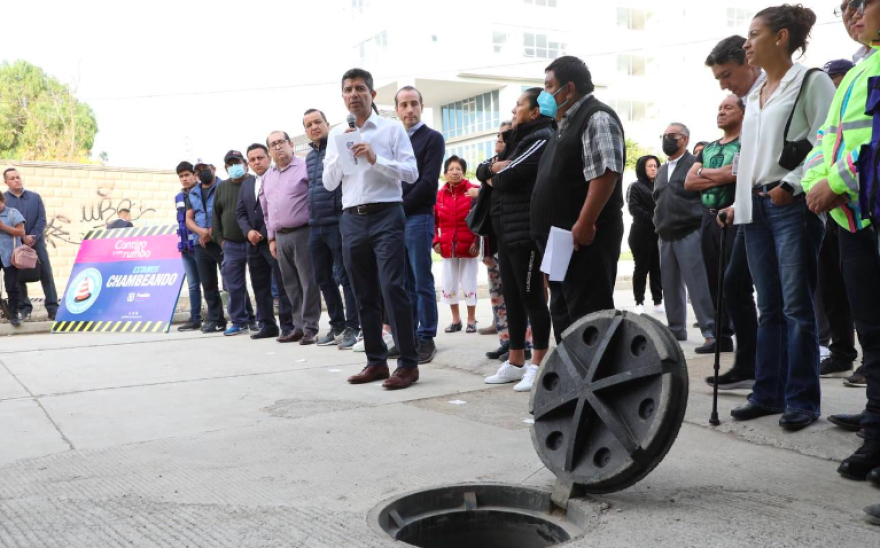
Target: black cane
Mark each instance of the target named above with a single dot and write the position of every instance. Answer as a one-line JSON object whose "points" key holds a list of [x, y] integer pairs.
{"points": [[719, 319]]}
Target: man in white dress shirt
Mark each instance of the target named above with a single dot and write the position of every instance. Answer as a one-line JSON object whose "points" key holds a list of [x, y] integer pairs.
{"points": [[373, 225]]}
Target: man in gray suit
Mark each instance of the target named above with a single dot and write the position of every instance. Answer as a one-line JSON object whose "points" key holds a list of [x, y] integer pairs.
{"points": [[678, 217]]}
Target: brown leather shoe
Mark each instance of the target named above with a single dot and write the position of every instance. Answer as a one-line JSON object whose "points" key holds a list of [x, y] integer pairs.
{"points": [[294, 336], [307, 339], [488, 330], [372, 372], [403, 377]]}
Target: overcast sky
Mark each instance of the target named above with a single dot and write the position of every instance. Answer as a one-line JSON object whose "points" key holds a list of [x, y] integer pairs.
{"points": [[173, 80]]}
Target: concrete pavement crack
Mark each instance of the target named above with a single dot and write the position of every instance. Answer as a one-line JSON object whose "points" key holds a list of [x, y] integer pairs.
{"points": [[40, 404]]}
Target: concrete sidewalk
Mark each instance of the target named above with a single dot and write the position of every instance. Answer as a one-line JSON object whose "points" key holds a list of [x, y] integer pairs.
{"points": [[199, 440]]}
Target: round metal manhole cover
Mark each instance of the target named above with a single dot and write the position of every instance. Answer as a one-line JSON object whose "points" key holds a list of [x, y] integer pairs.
{"points": [[609, 401]]}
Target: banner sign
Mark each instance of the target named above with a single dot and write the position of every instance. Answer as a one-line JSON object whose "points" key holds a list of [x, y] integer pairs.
{"points": [[125, 280]]}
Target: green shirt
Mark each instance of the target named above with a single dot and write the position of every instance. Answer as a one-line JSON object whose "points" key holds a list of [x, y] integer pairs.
{"points": [[716, 155], [225, 222]]}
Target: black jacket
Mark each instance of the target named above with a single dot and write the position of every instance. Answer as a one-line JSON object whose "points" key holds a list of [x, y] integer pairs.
{"points": [[512, 186], [430, 148], [325, 206], [249, 213], [678, 212], [640, 197]]}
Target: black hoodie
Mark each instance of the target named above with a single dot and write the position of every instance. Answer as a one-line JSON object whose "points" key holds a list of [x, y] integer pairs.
{"points": [[640, 194]]}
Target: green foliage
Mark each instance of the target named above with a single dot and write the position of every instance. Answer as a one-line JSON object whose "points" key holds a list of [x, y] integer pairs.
{"points": [[40, 119], [634, 151]]}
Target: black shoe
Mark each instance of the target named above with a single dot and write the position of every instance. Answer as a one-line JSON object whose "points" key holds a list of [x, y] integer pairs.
{"points": [[15, 320], [52, 315], [254, 326], [795, 420], [732, 380], [749, 411], [829, 367], [190, 326], [709, 347], [427, 351], [861, 433], [858, 378], [213, 327], [266, 333], [681, 337], [858, 465], [874, 476], [502, 349], [24, 316], [393, 352], [872, 514], [847, 422], [4, 308]]}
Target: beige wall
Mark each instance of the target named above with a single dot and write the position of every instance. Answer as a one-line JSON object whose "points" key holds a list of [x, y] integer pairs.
{"points": [[80, 198]]}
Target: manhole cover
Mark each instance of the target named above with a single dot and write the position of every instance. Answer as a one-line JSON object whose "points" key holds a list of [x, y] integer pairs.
{"points": [[609, 401], [474, 516]]}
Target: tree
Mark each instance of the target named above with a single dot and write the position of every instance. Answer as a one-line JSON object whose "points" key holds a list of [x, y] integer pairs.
{"points": [[41, 119], [634, 151]]}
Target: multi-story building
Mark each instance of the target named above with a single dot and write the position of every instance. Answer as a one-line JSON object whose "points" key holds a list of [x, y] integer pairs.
{"points": [[471, 59]]}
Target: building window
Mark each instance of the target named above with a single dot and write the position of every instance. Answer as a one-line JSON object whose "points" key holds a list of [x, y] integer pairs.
{"points": [[368, 50], [738, 18], [499, 40], [471, 115], [357, 6], [633, 111], [633, 19], [631, 65], [473, 153], [540, 46], [542, 3]]}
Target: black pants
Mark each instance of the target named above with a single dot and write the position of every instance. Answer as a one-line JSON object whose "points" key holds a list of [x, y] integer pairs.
{"points": [[710, 244], [646, 253], [589, 283], [373, 250], [522, 284], [860, 264], [10, 280], [836, 325], [739, 304], [262, 265], [208, 260]]}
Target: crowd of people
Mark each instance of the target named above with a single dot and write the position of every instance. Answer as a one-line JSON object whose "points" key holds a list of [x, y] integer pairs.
{"points": [[791, 186]]}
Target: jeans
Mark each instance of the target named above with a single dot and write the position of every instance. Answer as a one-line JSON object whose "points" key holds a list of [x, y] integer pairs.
{"points": [[235, 258], [208, 260], [325, 245], [193, 284], [419, 278], [860, 265], [10, 280], [47, 280], [783, 249], [739, 305], [371, 248]]}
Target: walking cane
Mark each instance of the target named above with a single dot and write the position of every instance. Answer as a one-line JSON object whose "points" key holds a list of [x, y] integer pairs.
{"points": [[719, 319]]}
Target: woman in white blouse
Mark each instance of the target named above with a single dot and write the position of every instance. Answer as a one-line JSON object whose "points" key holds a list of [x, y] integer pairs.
{"points": [[782, 235]]}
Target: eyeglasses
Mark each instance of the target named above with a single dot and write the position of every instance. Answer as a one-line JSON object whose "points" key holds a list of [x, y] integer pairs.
{"points": [[675, 136], [858, 6], [278, 144]]}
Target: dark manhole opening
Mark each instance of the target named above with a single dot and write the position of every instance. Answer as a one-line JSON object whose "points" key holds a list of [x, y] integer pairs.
{"points": [[475, 516]]}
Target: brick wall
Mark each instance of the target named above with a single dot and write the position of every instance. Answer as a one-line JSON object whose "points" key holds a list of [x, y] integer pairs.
{"points": [[79, 198]]}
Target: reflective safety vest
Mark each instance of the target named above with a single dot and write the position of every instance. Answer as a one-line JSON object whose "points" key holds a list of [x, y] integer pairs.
{"points": [[839, 143]]}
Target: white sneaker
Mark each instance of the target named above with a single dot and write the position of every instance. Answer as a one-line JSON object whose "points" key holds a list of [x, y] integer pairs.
{"points": [[824, 353], [640, 309], [359, 346], [388, 338], [659, 309], [525, 385], [506, 373]]}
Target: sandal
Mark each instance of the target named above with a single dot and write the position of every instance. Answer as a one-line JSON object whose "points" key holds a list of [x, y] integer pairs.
{"points": [[453, 327], [471, 328]]}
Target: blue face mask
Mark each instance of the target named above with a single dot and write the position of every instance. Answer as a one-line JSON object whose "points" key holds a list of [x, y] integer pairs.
{"points": [[236, 171], [547, 103]]}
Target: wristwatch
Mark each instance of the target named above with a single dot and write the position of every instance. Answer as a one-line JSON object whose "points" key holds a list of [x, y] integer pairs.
{"points": [[787, 187]]}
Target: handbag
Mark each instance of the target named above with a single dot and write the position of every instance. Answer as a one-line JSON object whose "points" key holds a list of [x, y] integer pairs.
{"points": [[795, 152], [24, 258], [478, 219]]}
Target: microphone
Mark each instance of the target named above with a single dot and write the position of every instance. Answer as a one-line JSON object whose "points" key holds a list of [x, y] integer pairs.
{"points": [[351, 121]]}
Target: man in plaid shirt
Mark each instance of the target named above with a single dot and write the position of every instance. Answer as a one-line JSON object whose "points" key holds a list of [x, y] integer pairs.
{"points": [[579, 189]]}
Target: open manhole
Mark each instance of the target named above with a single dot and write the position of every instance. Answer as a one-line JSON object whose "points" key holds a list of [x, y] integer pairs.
{"points": [[475, 516], [608, 404]]}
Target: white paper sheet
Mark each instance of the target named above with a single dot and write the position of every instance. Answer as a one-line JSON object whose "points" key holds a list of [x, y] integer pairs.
{"points": [[344, 144], [560, 246]]}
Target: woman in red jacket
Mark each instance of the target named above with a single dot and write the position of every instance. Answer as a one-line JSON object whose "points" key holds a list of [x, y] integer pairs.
{"points": [[454, 241]]}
